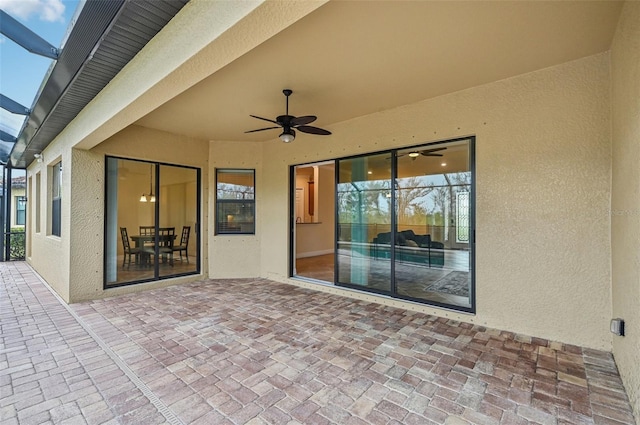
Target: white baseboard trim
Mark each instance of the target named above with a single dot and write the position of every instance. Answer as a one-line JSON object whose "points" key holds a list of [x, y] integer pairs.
{"points": [[314, 253]]}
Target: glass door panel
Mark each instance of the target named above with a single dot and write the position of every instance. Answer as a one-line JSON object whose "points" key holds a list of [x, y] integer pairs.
{"points": [[177, 197], [433, 225], [364, 222], [130, 218], [151, 221], [314, 229]]}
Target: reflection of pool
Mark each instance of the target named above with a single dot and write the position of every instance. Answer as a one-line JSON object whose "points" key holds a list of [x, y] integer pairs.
{"points": [[431, 257], [413, 280]]}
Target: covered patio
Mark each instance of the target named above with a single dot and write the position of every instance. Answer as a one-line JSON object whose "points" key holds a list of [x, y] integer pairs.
{"points": [[256, 351]]}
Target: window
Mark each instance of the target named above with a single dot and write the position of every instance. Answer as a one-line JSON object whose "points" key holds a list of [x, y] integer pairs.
{"points": [[152, 221], [235, 201], [38, 203], [56, 198], [21, 210]]}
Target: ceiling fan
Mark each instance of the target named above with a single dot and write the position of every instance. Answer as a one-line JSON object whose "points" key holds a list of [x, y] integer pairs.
{"points": [[425, 152], [288, 123]]}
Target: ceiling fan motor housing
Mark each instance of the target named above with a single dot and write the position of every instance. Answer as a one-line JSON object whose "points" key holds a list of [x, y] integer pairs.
{"points": [[289, 122]]}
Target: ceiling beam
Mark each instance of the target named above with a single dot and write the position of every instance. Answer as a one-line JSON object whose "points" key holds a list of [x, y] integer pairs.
{"points": [[26, 38], [12, 106]]}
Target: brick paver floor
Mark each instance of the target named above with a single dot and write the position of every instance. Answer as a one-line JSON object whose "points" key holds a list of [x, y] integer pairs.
{"points": [[254, 351]]}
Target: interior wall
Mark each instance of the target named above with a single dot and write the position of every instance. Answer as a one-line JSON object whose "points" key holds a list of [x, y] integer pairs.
{"points": [[303, 178], [625, 197], [318, 238], [87, 222], [543, 182]]}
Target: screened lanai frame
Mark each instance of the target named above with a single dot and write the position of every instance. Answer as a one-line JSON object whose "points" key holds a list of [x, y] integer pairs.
{"points": [[469, 304], [194, 234]]}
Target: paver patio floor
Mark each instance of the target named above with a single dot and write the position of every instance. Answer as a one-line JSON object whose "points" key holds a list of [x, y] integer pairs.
{"points": [[259, 352]]}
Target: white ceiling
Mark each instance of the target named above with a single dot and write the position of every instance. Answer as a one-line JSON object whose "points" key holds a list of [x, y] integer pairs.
{"points": [[353, 58]]}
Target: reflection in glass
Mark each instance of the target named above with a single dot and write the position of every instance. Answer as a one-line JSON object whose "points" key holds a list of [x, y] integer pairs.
{"points": [[235, 201], [433, 225], [363, 212], [405, 224], [139, 248], [178, 214]]}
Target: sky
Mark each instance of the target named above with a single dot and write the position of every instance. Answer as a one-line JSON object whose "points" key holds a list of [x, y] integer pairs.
{"points": [[22, 72]]}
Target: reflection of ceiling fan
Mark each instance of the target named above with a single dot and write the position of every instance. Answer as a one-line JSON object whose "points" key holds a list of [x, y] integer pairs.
{"points": [[289, 122], [425, 152]]}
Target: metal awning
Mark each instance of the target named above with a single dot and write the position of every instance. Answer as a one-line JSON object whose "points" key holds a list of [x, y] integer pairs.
{"points": [[106, 35]]}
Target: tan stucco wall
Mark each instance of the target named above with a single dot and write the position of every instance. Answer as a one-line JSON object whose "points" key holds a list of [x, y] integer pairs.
{"points": [[201, 39], [204, 37], [87, 219], [237, 255], [543, 158], [625, 197], [544, 179], [48, 254]]}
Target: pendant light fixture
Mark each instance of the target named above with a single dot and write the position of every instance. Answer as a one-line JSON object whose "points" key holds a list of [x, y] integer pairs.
{"points": [[152, 197]]}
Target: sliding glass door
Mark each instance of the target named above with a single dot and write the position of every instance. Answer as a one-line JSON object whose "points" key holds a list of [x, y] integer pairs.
{"points": [[404, 224], [363, 216], [151, 221], [432, 249]]}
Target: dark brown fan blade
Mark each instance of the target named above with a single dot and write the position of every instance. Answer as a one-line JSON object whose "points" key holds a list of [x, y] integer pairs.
{"points": [[265, 119], [429, 152], [313, 130], [307, 119], [261, 129]]}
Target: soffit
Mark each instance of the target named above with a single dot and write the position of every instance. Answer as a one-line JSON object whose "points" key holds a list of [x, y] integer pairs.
{"points": [[349, 59], [106, 35]]}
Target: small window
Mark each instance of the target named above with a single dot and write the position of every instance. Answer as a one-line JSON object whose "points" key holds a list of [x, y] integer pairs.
{"points": [[56, 198], [21, 210], [235, 201], [38, 203]]}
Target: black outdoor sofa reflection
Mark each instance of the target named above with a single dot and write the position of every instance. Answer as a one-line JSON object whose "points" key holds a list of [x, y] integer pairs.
{"points": [[410, 248]]}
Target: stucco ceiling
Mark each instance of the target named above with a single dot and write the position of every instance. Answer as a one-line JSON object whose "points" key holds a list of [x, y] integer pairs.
{"points": [[351, 58]]}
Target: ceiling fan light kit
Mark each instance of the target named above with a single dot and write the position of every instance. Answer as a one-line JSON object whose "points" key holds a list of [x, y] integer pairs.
{"points": [[425, 152], [288, 136], [289, 122]]}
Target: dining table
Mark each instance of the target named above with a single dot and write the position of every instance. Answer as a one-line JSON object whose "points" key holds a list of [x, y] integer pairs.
{"points": [[140, 241]]}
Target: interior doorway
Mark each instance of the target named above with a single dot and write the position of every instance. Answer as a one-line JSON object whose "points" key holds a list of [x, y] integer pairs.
{"points": [[314, 228]]}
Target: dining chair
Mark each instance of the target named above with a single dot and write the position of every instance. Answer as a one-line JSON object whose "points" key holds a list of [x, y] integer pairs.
{"points": [[184, 243], [148, 231], [166, 237], [126, 246]]}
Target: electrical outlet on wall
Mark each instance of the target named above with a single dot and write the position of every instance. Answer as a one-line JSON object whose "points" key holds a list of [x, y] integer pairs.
{"points": [[617, 326]]}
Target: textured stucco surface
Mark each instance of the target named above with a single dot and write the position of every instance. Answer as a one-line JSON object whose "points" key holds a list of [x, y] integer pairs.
{"points": [[625, 197], [49, 254], [237, 255], [547, 248], [202, 38], [543, 158], [87, 222]]}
